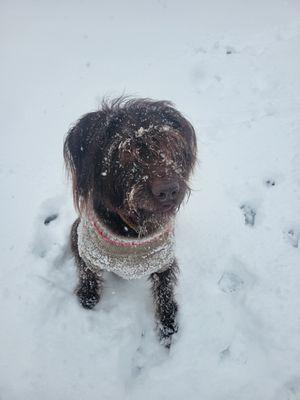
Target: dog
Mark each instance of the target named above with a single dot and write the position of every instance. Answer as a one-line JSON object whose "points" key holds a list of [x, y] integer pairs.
{"points": [[130, 163]]}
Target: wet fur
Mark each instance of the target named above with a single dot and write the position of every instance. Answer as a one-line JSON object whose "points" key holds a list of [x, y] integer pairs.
{"points": [[113, 155]]}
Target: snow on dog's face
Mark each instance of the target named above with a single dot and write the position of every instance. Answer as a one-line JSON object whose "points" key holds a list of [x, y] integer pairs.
{"points": [[153, 169], [133, 157]]}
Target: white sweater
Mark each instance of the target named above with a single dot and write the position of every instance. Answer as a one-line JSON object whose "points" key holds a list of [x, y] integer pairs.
{"points": [[102, 249]]}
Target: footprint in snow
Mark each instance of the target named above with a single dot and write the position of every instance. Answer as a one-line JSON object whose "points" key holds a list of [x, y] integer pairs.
{"points": [[230, 282], [138, 359], [236, 278], [269, 182], [225, 354], [51, 238], [290, 391], [149, 354], [293, 237], [234, 353], [230, 50], [50, 218], [249, 214]]}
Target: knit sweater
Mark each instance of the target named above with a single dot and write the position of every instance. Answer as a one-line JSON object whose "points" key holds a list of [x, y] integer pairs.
{"points": [[130, 258]]}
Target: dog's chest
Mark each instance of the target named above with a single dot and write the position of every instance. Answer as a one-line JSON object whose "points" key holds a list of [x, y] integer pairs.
{"points": [[129, 260]]}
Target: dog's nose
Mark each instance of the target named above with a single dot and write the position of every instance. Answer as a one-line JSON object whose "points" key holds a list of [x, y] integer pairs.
{"points": [[165, 191]]}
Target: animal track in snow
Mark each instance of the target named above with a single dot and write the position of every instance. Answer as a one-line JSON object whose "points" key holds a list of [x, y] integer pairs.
{"points": [[293, 237], [224, 354], [51, 238], [230, 50], [290, 391], [50, 218], [269, 182], [236, 278], [234, 353], [230, 282], [249, 214]]}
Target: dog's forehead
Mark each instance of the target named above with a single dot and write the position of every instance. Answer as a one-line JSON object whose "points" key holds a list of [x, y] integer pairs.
{"points": [[149, 149], [146, 143], [141, 131], [141, 135]]}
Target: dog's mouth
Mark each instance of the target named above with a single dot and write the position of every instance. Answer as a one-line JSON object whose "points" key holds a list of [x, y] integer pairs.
{"points": [[142, 205], [150, 206], [161, 213], [157, 212], [169, 208], [148, 217]]}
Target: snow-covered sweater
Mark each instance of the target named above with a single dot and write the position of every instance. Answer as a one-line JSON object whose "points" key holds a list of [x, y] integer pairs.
{"points": [[129, 258]]}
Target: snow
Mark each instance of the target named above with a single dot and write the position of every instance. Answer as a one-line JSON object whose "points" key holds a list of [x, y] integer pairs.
{"points": [[232, 68]]}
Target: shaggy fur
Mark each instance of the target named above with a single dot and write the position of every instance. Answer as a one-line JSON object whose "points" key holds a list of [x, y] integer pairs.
{"points": [[130, 163]]}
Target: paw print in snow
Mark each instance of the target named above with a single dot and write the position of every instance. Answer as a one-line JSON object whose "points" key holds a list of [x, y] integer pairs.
{"points": [[293, 237], [50, 218], [230, 282], [249, 214], [269, 183]]}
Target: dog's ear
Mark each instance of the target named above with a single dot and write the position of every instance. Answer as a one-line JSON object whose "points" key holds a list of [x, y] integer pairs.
{"points": [[82, 143]]}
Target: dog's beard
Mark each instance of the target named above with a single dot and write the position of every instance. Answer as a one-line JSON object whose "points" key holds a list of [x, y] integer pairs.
{"points": [[146, 214]]}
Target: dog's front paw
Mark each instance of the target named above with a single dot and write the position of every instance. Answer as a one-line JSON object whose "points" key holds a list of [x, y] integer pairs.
{"points": [[168, 325], [88, 296], [166, 333]]}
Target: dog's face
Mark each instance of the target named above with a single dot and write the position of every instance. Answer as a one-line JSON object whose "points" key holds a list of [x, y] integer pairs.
{"points": [[132, 157]]}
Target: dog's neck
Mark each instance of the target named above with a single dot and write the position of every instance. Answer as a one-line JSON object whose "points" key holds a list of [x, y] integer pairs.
{"points": [[125, 225], [115, 222]]}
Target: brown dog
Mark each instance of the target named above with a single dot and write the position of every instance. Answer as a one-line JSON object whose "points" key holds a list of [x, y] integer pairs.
{"points": [[130, 163]]}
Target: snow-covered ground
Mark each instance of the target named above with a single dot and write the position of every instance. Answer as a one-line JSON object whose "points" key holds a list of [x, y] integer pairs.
{"points": [[233, 68]]}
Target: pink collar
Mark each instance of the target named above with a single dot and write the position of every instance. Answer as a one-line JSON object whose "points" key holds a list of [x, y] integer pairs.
{"points": [[119, 241]]}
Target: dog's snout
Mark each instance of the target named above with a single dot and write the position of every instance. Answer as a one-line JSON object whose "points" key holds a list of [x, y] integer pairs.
{"points": [[165, 191]]}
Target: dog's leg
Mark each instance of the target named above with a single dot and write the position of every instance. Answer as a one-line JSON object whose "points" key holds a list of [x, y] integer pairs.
{"points": [[90, 283], [163, 285]]}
